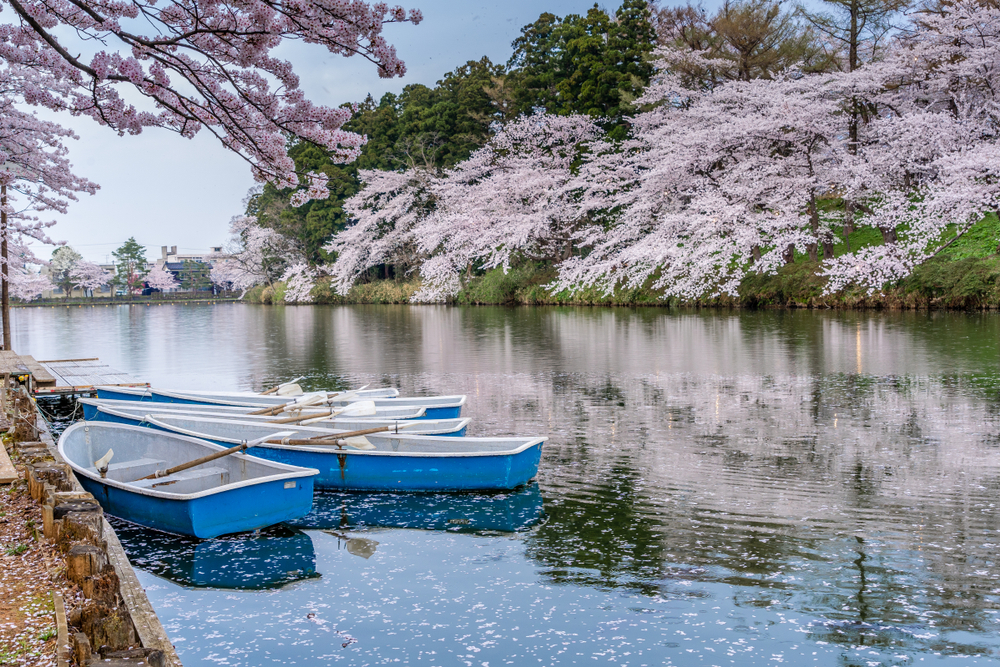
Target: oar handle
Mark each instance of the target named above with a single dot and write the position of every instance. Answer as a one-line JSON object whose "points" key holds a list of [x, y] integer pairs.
{"points": [[329, 439], [211, 457], [197, 462], [269, 411], [300, 418]]}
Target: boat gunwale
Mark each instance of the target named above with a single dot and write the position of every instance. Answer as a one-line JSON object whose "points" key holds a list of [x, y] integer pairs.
{"points": [[331, 402], [462, 422], [186, 408], [327, 449], [292, 472]]}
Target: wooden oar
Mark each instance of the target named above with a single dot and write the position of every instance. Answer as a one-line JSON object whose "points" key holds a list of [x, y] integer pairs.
{"points": [[327, 439], [211, 457], [293, 420], [277, 409], [359, 409]]}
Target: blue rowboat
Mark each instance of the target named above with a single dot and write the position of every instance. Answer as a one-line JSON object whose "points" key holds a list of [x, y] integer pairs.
{"points": [[418, 463], [388, 413], [234, 430], [247, 398], [508, 512], [261, 560], [228, 495], [396, 462], [436, 407]]}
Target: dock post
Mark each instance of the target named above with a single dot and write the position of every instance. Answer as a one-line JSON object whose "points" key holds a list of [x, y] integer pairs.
{"points": [[5, 287]]}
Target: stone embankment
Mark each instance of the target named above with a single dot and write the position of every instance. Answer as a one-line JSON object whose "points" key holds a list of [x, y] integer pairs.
{"points": [[102, 614]]}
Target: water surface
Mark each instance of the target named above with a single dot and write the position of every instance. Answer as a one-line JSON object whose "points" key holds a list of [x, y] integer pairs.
{"points": [[719, 488]]}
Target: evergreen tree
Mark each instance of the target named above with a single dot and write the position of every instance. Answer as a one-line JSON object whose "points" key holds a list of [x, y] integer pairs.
{"points": [[130, 263]]}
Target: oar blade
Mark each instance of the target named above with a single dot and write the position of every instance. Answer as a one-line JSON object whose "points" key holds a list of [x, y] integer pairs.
{"points": [[359, 409], [359, 442]]}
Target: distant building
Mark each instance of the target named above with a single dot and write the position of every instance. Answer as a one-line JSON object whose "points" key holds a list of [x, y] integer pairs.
{"points": [[172, 261]]}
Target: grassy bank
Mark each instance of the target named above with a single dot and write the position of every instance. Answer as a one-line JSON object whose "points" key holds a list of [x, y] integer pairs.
{"points": [[156, 299], [965, 276], [971, 283]]}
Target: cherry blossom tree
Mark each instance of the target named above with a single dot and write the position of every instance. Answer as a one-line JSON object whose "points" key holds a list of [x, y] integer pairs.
{"points": [[713, 184], [387, 208], [253, 256], [201, 64], [161, 279], [515, 198], [510, 199], [28, 285], [927, 168], [35, 177], [89, 276]]}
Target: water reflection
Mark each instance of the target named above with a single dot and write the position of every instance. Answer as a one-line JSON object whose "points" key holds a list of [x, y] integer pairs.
{"points": [[265, 559], [510, 512], [841, 470]]}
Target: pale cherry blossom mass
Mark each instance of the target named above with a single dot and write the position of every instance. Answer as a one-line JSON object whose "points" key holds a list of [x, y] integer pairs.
{"points": [[713, 182]]}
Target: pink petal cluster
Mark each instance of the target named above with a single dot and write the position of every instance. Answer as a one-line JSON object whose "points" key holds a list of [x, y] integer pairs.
{"points": [[161, 279], [89, 276], [199, 64], [35, 171]]}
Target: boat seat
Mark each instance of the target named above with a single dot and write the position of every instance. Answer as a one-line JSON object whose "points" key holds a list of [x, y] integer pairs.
{"points": [[126, 471], [187, 481]]}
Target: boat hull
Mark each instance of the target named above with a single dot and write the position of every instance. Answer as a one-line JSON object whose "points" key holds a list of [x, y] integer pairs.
{"points": [[452, 409], [235, 511], [364, 471], [395, 412], [229, 494]]}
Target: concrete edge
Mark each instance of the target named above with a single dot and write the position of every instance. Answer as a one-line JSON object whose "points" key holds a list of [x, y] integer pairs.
{"points": [[147, 624]]}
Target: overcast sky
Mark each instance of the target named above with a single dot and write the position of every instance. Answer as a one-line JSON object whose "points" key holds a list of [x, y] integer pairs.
{"points": [[165, 190]]}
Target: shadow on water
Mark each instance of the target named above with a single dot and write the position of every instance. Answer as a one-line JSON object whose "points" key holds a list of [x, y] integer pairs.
{"points": [[511, 512], [266, 559]]}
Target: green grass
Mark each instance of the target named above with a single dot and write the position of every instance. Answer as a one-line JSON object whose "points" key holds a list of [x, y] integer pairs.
{"points": [[16, 550]]}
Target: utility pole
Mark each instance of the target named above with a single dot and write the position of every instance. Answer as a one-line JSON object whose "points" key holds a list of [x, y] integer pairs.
{"points": [[5, 288]]}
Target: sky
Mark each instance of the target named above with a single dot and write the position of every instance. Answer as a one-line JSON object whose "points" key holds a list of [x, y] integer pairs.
{"points": [[168, 191]]}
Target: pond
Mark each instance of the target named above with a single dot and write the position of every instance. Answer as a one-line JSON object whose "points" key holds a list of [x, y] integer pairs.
{"points": [[719, 488]]}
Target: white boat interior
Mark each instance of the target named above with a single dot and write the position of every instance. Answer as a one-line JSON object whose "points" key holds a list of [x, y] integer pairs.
{"points": [[139, 452]]}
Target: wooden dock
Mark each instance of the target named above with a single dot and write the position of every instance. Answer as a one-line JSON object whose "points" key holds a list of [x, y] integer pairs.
{"points": [[12, 363], [58, 377], [80, 376]]}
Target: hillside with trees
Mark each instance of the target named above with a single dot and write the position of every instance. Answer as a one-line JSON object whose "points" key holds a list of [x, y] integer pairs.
{"points": [[757, 155]]}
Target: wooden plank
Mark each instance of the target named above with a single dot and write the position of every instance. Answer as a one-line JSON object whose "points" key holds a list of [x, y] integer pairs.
{"points": [[63, 361], [8, 473], [63, 648], [147, 623], [38, 372]]}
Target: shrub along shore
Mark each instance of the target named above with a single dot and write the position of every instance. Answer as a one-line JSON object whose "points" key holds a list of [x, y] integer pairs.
{"points": [[970, 283]]}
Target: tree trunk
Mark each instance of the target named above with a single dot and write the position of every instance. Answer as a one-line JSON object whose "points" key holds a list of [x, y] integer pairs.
{"points": [[814, 226], [888, 235], [755, 254], [848, 222], [788, 255]]}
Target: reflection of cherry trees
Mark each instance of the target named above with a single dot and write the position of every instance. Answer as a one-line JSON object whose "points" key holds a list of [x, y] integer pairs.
{"points": [[720, 449]]}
